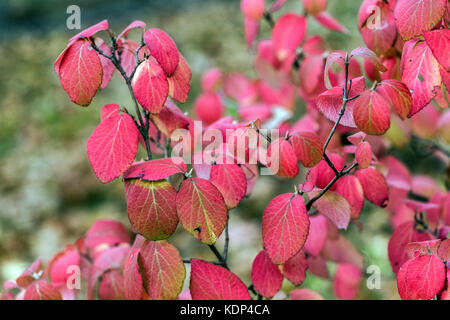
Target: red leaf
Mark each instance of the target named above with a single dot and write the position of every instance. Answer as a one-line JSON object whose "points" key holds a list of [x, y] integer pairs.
{"points": [[179, 81], [285, 227], [282, 160], [162, 270], [334, 206], [163, 49], [397, 96], [421, 278], [253, 8], [288, 32], [307, 147], [109, 232], [157, 169], [80, 72], [317, 235], [170, 119], [350, 188], [374, 185], [28, 276], [369, 55], [439, 43], [230, 180], [109, 110], [266, 277], [371, 113], [329, 22], [112, 147], [413, 16], [150, 86], [295, 268], [133, 283], [42, 290], [201, 209], [211, 282], [324, 174], [304, 294], [420, 72], [403, 234], [346, 281], [363, 155], [151, 208], [329, 102], [111, 286], [357, 138]]}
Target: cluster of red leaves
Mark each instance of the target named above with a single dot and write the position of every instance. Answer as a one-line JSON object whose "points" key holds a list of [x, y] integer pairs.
{"points": [[406, 60]]}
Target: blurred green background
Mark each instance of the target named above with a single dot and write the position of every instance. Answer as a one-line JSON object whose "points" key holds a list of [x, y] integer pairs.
{"points": [[49, 196]]}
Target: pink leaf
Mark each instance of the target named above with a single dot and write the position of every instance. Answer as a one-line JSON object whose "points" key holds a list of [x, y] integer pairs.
{"points": [[335, 207], [369, 55], [266, 277], [211, 282], [89, 32], [80, 72], [346, 281], [397, 96], [357, 138], [329, 22], [420, 72], [179, 81], [163, 49], [230, 180], [331, 59], [133, 25], [109, 110], [28, 276], [151, 208], [439, 43], [58, 268], [201, 209], [288, 33], [341, 250], [329, 102], [317, 235], [421, 278], [42, 290], [323, 172], [208, 107], [150, 86], [295, 268], [371, 113], [253, 8], [162, 270], [307, 147], [133, 284], [304, 294], [112, 147], [413, 16], [157, 169], [109, 232], [107, 65], [251, 30], [363, 155], [285, 227], [403, 234], [374, 185]]}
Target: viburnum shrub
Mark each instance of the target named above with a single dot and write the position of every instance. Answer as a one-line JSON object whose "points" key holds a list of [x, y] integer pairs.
{"points": [[196, 172]]}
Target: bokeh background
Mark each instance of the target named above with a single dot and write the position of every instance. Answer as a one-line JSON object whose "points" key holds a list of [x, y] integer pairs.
{"points": [[49, 195]]}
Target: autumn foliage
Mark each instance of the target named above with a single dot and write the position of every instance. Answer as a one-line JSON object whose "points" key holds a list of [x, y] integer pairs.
{"points": [[357, 104]]}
